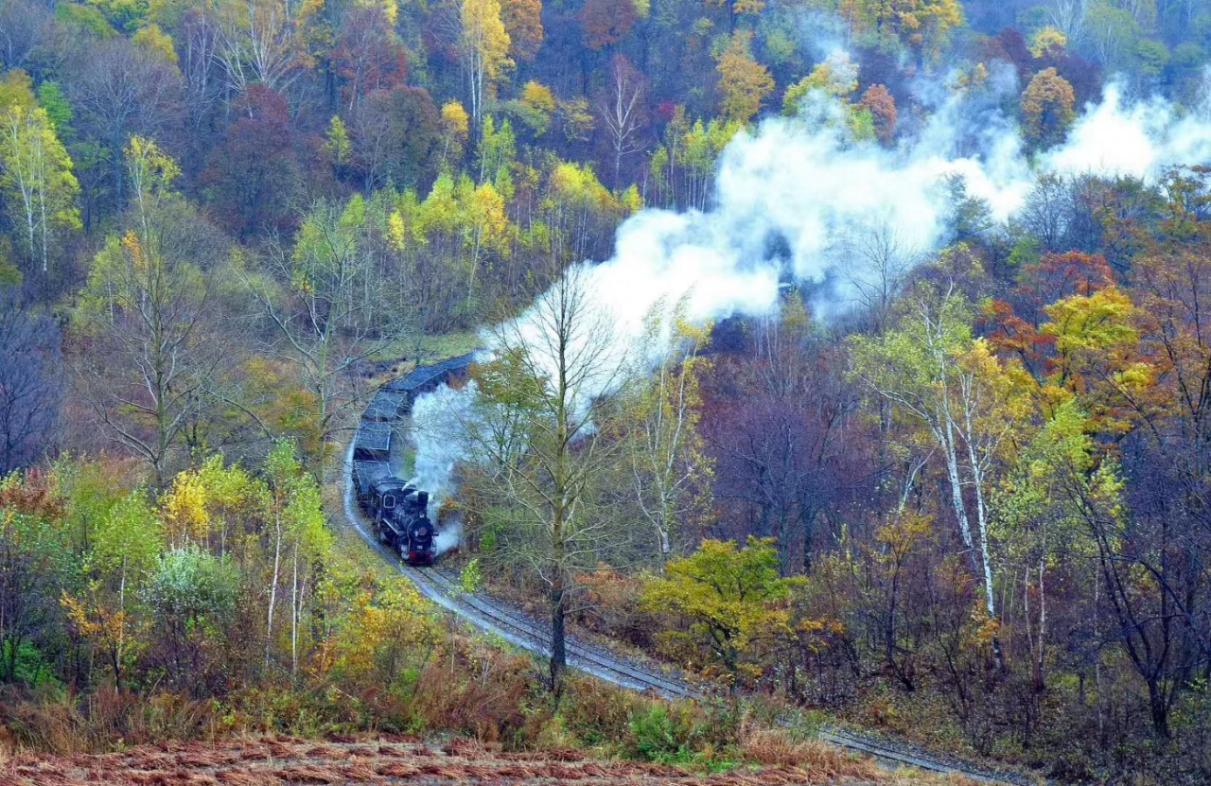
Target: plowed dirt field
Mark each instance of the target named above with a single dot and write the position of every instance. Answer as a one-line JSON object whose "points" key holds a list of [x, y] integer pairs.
{"points": [[279, 761]]}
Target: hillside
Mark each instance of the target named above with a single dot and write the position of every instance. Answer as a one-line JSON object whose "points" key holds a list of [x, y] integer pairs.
{"points": [[732, 368]]}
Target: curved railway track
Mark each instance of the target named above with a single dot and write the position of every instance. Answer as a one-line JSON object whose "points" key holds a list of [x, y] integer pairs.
{"points": [[520, 629]]}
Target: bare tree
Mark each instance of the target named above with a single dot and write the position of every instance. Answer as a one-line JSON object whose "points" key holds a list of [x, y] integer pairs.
{"points": [[30, 393], [198, 51], [147, 317], [552, 365], [24, 30], [260, 43], [882, 266], [118, 91], [621, 112], [1068, 16]]}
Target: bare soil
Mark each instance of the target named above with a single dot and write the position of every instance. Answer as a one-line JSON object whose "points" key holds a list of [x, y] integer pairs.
{"points": [[387, 761]]}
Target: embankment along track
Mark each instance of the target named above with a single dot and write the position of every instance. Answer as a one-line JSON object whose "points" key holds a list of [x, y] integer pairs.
{"points": [[499, 618]]}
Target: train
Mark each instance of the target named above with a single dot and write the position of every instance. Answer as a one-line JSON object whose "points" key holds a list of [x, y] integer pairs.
{"points": [[397, 510]]}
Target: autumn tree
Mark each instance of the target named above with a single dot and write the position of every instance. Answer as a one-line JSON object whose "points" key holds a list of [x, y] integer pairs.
{"points": [[935, 372], [732, 599], [484, 46], [36, 181], [254, 178], [1047, 108], [367, 56], [127, 541], [923, 26], [606, 22], [325, 311], [396, 133], [744, 83], [523, 22], [455, 131], [542, 438], [147, 304], [836, 77], [882, 107]]}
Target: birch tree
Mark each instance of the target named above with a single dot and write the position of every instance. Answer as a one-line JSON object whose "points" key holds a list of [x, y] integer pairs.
{"points": [[261, 42], [621, 112], [484, 45], [931, 369], [669, 469], [36, 181], [299, 539]]}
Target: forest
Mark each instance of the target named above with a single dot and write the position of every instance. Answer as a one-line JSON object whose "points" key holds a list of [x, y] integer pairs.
{"points": [[853, 356]]}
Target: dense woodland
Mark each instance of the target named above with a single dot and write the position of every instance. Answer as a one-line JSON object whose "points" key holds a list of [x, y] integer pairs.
{"points": [[973, 507]]}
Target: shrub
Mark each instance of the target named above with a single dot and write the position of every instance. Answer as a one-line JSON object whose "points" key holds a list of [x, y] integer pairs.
{"points": [[657, 736]]}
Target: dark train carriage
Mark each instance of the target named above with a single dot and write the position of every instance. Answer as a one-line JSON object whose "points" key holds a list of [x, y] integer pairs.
{"points": [[398, 511], [374, 441], [427, 378], [365, 475], [387, 406]]}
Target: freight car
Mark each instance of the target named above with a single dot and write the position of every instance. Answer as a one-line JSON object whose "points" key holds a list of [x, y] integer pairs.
{"points": [[398, 510]]}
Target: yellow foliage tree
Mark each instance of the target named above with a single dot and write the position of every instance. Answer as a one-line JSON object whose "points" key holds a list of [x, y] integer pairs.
{"points": [[730, 598], [921, 25], [1048, 107], [36, 181], [744, 83], [485, 49]]}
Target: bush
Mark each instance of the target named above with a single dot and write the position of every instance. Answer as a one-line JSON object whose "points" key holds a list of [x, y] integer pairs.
{"points": [[598, 714], [657, 736]]}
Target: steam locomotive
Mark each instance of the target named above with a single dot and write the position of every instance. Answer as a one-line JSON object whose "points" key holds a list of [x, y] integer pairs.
{"points": [[399, 511]]}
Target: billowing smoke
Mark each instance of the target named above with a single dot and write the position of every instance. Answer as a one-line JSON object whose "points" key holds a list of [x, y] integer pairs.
{"points": [[449, 536], [439, 435], [1137, 140], [797, 195]]}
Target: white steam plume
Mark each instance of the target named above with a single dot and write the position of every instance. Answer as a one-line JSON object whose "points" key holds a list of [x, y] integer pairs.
{"points": [[1139, 140], [793, 196], [449, 536], [439, 435]]}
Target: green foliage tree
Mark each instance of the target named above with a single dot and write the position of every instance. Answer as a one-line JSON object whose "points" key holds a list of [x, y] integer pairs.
{"points": [[732, 598], [543, 439], [36, 179]]}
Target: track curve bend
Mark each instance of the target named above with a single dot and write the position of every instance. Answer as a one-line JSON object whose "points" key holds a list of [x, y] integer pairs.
{"points": [[518, 628]]}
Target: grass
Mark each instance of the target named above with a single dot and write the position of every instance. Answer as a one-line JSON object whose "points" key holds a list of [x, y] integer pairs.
{"points": [[433, 347]]}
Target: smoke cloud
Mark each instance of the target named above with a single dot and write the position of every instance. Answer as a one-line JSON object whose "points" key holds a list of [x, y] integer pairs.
{"points": [[449, 536], [439, 436], [795, 196], [1139, 140]]}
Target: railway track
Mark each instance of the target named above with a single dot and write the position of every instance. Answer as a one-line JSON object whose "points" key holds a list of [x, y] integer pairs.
{"points": [[522, 630]]}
